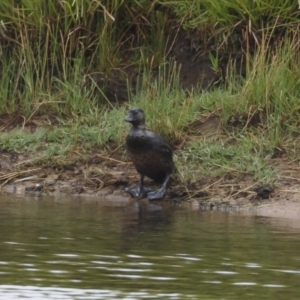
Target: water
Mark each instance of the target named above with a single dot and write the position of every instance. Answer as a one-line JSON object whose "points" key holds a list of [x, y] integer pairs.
{"points": [[85, 249]]}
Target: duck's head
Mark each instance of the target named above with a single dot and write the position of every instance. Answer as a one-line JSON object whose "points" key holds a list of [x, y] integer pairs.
{"points": [[136, 117]]}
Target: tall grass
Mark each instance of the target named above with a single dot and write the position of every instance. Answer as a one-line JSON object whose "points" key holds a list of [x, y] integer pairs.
{"points": [[48, 46], [225, 16], [269, 92], [166, 105]]}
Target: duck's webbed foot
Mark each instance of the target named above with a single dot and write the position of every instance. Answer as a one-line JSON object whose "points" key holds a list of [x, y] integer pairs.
{"points": [[158, 194], [138, 192]]}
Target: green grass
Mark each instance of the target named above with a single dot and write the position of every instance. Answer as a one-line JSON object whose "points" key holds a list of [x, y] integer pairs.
{"points": [[48, 47], [237, 157], [52, 145], [228, 14]]}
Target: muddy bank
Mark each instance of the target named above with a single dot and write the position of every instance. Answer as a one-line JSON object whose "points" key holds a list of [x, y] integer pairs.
{"points": [[107, 176], [93, 182], [104, 177]]}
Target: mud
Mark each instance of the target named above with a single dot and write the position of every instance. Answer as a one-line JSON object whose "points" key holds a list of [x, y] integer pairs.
{"points": [[107, 176], [105, 179]]}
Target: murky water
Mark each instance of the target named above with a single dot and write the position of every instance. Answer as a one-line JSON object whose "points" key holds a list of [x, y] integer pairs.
{"points": [[85, 249]]}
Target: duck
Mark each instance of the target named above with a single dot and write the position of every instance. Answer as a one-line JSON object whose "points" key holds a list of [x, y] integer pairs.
{"points": [[150, 154]]}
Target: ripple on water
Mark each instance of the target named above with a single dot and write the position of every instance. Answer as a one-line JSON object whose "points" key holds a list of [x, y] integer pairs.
{"points": [[226, 272], [252, 265], [33, 292], [244, 283], [70, 255], [288, 271], [12, 243], [58, 271], [86, 252]]}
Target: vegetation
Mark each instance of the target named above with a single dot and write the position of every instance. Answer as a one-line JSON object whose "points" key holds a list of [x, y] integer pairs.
{"points": [[52, 50]]}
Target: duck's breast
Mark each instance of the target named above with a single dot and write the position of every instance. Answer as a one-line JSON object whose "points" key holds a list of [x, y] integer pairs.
{"points": [[150, 154]]}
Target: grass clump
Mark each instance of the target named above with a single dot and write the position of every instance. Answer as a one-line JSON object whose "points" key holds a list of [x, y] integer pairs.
{"points": [[165, 104], [269, 93], [239, 158], [53, 145], [219, 19]]}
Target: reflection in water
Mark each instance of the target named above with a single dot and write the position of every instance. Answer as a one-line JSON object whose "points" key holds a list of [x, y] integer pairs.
{"points": [[87, 249]]}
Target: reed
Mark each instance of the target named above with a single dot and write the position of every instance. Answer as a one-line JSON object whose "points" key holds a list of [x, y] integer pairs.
{"points": [[48, 47]]}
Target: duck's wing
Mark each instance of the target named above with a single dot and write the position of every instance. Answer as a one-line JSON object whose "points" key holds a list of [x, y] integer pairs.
{"points": [[166, 151], [158, 144]]}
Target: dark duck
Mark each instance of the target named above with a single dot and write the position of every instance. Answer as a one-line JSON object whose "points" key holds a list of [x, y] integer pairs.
{"points": [[150, 154]]}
